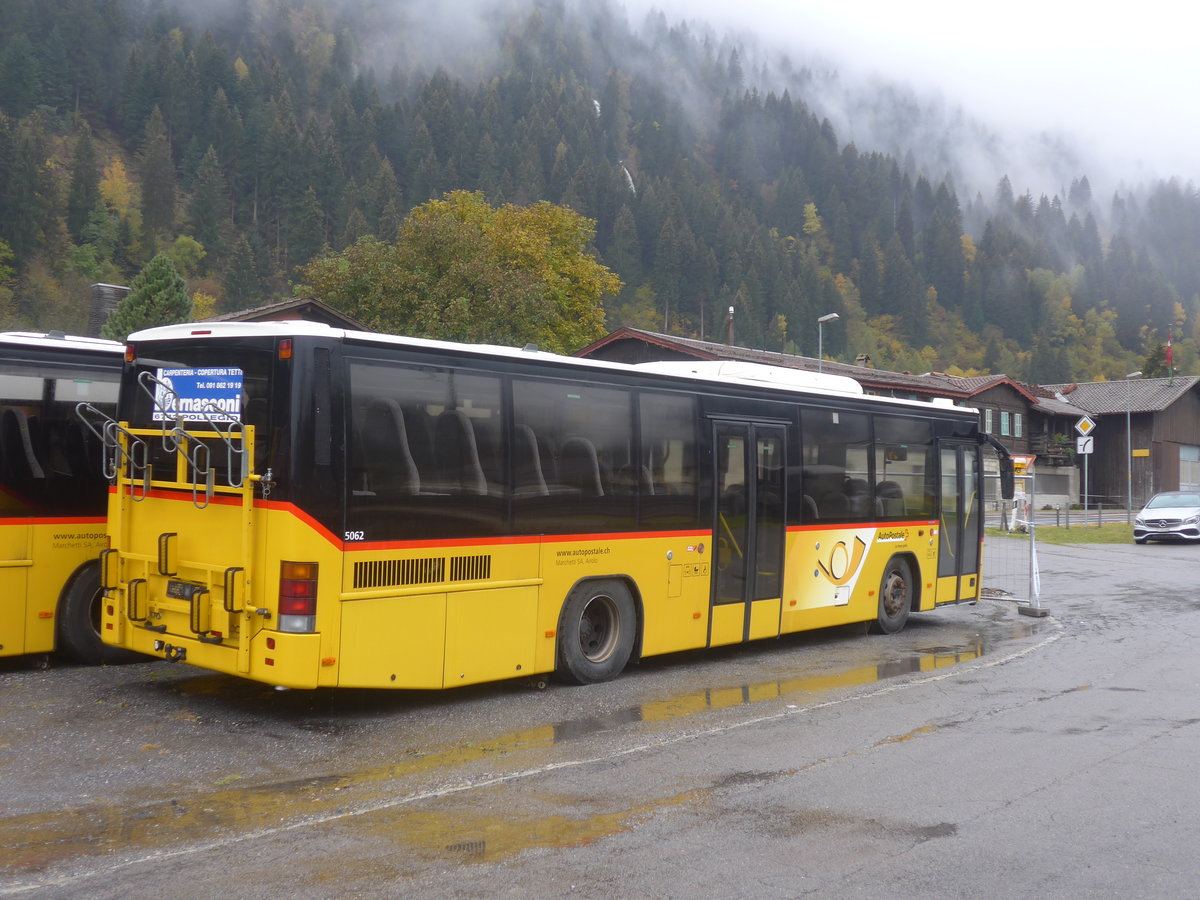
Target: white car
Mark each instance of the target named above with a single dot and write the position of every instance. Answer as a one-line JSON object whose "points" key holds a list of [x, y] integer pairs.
{"points": [[1169, 516]]}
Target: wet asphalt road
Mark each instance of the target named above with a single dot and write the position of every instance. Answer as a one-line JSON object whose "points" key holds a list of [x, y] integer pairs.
{"points": [[979, 752]]}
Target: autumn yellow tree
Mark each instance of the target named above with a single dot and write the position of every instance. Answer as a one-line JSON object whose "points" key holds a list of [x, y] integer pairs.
{"points": [[463, 270]]}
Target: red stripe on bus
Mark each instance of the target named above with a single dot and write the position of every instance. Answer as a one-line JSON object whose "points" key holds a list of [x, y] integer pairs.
{"points": [[365, 546], [67, 520], [844, 526]]}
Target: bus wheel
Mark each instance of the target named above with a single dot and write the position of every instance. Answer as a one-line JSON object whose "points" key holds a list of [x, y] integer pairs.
{"points": [[895, 597], [79, 622], [596, 632]]}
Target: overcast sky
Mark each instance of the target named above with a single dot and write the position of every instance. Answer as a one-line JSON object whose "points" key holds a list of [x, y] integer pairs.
{"points": [[1122, 79]]}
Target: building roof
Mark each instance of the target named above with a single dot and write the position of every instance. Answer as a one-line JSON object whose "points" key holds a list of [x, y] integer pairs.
{"points": [[1139, 395], [933, 384], [302, 308]]}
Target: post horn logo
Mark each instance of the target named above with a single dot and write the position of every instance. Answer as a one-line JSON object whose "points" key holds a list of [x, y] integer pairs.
{"points": [[843, 562]]}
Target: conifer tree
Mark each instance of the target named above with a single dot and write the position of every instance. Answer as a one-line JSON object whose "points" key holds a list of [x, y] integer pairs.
{"points": [[242, 286], [20, 76], [308, 235], [157, 170], [209, 204], [157, 296], [84, 192]]}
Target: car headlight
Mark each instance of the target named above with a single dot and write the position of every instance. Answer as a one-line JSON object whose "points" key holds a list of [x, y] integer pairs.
{"points": [[1138, 520], [1192, 520]]}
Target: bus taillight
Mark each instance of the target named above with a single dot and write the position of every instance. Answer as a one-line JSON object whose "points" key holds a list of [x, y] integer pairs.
{"points": [[297, 596]]}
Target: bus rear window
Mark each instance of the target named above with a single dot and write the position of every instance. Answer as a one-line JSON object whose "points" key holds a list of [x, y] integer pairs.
{"points": [[187, 384], [203, 388]]}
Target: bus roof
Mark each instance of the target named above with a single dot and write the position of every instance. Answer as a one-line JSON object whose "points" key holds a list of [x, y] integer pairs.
{"points": [[721, 371], [57, 340]]}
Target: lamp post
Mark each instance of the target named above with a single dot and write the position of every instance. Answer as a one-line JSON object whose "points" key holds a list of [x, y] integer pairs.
{"points": [[828, 317], [1129, 445]]}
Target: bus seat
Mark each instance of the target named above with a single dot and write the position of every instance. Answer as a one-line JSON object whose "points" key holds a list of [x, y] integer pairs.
{"points": [[579, 468], [458, 454], [488, 442], [858, 497], [420, 438], [16, 437], [528, 478], [808, 509], [889, 499], [75, 450], [834, 505], [387, 458]]}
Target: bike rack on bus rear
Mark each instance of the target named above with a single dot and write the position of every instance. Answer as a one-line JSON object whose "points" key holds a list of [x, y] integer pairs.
{"points": [[192, 448], [109, 431]]}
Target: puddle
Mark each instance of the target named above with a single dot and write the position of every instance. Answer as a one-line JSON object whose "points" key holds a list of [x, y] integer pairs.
{"points": [[36, 842], [464, 835]]}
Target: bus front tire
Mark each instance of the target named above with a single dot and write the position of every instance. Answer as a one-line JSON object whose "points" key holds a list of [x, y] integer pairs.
{"points": [[895, 597], [596, 632], [79, 622]]}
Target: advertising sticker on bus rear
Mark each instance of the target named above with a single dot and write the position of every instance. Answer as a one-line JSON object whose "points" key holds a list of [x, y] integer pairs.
{"points": [[198, 395]]}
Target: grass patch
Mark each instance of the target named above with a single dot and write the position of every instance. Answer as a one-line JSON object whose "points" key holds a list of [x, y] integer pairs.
{"points": [[1108, 533]]}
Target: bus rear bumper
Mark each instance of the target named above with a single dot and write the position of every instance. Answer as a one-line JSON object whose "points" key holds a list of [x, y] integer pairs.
{"points": [[275, 658]]}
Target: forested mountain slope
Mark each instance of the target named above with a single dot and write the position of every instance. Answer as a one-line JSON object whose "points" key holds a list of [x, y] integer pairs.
{"points": [[247, 137]]}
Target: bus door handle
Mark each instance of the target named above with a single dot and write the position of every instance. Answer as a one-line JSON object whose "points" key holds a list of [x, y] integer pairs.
{"points": [[230, 583], [136, 596], [164, 553], [108, 569], [198, 597]]}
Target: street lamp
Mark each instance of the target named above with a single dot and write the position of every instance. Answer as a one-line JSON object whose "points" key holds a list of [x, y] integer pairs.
{"points": [[828, 317], [1129, 445]]}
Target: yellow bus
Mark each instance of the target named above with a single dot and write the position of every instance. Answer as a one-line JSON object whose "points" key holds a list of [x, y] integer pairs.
{"points": [[53, 493], [311, 507]]}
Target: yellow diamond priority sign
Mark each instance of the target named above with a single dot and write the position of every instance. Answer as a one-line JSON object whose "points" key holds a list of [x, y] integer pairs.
{"points": [[1085, 425]]}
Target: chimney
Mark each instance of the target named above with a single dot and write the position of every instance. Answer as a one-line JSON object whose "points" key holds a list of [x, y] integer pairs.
{"points": [[105, 298]]}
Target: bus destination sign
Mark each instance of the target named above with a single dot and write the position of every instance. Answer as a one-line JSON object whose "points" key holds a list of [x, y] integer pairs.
{"points": [[198, 395]]}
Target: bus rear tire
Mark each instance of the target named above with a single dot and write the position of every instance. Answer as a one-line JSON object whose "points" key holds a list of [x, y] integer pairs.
{"points": [[79, 622], [895, 597], [596, 632]]}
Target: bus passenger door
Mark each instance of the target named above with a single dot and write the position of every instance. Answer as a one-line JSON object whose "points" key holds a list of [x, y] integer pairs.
{"points": [[960, 522], [748, 532]]}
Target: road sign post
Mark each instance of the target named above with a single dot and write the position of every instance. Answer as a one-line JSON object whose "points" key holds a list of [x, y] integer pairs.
{"points": [[1083, 446]]}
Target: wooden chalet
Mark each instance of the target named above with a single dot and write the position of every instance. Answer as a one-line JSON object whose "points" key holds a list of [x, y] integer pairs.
{"points": [[1164, 437]]}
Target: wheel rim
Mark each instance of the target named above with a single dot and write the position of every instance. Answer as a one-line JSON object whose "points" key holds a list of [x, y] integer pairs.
{"points": [[895, 593], [599, 627]]}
